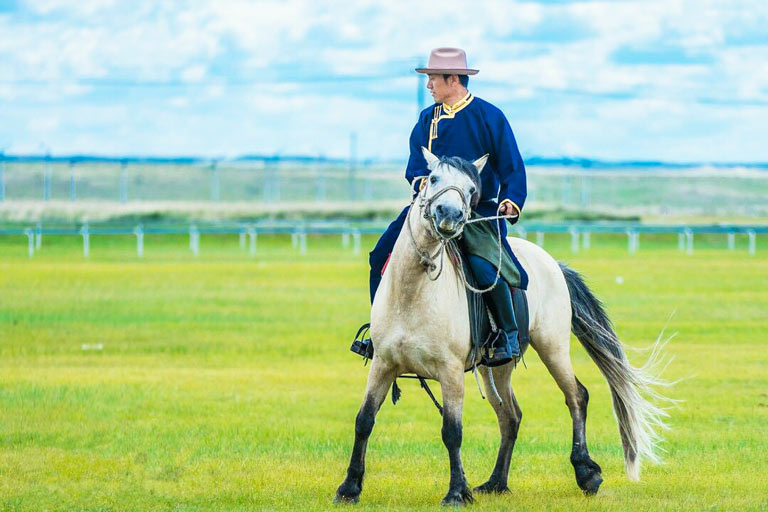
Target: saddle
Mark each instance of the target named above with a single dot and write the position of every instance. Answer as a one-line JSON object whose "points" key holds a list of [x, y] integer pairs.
{"points": [[482, 326]]}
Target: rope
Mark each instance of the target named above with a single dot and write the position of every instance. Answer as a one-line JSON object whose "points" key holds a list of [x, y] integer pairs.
{"points": [[427, 260], [493, 386]]}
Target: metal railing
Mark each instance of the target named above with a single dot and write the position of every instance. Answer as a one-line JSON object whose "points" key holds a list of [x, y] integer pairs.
{"points": [[350, 234]]}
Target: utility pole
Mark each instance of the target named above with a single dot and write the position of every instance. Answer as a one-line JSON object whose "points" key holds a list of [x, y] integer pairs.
{"points": [[123, 181], [2, 176], [47, 177], [72, 189], [215, 184], [352, 164], [420, 89]]}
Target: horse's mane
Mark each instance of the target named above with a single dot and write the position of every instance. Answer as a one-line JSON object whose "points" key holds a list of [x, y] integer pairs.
{"points": [[468, 168]]}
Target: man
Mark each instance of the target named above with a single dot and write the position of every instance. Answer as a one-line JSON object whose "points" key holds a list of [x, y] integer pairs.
{"points": [[460, 124]]}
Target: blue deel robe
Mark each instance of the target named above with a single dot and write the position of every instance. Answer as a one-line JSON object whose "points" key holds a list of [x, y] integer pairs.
{"points": [[469, 129]]}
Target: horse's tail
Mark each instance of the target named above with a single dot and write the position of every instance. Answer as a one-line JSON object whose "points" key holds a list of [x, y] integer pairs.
{"points": [[640, 420]]}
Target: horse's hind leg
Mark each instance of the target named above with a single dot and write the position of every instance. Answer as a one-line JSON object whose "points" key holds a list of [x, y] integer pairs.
{"points": [[509, 416], [379, 380], [558, 362]]}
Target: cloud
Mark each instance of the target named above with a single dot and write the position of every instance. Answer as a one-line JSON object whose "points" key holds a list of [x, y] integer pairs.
{"points": [[237, 76]]}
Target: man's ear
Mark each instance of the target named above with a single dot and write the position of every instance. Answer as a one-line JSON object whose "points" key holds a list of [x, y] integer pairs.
{"points": [[431, 159], [480, 163]]}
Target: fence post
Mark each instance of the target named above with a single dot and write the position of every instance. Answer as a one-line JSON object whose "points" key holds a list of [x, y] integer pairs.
{"points": [[586, 240], [752, 241], [681, 241], [303, 243], [540, 238], [689, 238], [30, 241], [241, 237], [345, 239], [252, 235], [139, 232], [356, 238], [574, 240], [86, 240], [194, 240], [522, 233], [38, 236], [731, 240]]}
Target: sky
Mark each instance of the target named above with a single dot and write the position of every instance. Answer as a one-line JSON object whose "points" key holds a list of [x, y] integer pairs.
{"points": [[671, 80]]}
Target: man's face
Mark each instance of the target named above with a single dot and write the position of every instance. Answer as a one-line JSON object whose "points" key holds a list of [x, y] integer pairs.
{"points": [[440, 87]]}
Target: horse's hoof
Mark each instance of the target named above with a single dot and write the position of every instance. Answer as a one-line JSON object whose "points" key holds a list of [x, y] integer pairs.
{"points": [[347, 494], [490, 487], [458, 498], [346, 500], [588, 476], [591, 486]]}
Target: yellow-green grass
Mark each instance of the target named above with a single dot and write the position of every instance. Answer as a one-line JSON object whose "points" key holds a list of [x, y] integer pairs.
{"points": [[225, 382]]}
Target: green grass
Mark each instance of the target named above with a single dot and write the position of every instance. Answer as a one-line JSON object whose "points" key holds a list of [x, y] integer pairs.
{"points": [[224, 382]]}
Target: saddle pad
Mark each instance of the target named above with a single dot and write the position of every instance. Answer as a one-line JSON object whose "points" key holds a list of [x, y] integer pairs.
{"points": [[480, 325]]}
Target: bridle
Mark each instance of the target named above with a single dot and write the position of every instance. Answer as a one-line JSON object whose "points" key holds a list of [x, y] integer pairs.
{"points": [[425, 205], [428, 260]]}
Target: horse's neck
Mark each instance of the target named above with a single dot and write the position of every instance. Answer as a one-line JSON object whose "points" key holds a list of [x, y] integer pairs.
{"points": [[408, 278]]}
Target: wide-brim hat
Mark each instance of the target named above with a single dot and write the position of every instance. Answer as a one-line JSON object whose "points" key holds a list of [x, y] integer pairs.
{"points": [[448, 61]]}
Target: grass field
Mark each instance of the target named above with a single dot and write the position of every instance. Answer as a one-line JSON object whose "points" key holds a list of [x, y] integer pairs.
{"points": [[225, 383]]}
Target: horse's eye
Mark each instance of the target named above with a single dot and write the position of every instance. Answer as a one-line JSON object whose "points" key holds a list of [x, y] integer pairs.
{"points": [[433, 179], [472, 190]]}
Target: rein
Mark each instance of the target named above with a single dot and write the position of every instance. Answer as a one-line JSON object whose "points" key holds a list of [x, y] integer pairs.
{"points": [[428, 260]]}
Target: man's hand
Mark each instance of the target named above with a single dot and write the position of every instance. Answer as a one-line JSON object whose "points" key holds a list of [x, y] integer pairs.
{"points": [[507, 209]]}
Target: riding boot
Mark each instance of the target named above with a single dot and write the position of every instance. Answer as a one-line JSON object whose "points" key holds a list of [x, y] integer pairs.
{"points": [[506, 345]]}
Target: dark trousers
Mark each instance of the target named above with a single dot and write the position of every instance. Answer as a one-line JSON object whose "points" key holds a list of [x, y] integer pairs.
{"points": [[483, 270]]}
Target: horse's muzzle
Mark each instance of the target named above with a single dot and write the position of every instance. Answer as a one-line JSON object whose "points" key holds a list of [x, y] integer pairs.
{"points": [[448, 220]]}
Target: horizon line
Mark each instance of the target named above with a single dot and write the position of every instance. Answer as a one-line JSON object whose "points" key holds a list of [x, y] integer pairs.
{"points": [[566, 161]]}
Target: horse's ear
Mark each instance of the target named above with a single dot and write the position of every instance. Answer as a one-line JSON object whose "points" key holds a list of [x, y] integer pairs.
{"points": [[480, 163], [431, 159]]}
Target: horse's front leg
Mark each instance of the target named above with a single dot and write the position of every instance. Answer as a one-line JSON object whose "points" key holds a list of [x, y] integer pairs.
{"points": [[379, 380], [452, 385]]}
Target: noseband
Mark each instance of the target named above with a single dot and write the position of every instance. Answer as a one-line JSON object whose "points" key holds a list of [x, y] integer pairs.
{"points": [[428, 260], [425, 204]]}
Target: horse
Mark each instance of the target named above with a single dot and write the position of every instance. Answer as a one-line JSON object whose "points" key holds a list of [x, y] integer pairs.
{"points": [[420, 324]]}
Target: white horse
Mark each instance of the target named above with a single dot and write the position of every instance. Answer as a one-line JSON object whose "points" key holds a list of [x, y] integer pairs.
{"points": [[421, 326]]}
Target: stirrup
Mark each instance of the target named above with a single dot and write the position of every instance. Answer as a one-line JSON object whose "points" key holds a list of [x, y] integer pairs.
{"points": [[361, 345], [496, 356]]}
